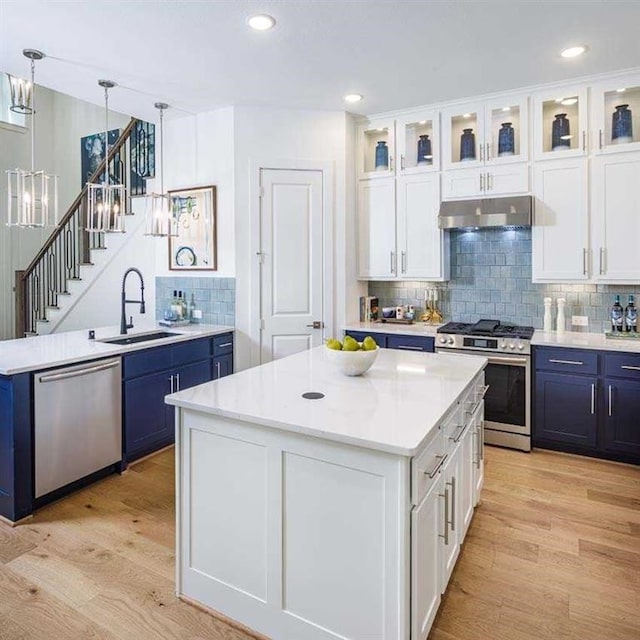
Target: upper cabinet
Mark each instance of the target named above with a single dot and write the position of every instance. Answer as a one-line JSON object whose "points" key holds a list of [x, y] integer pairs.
{"points": [[560, 123], [485, 133], [615, 111], [387, 147]]}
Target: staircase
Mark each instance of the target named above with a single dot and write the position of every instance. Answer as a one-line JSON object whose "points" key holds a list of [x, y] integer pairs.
{"points": [[72, 257]]}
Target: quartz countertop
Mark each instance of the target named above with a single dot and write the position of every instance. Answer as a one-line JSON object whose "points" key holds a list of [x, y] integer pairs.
{"points": [[580, 340], [415, 329], [55, 349], [392, 407]]}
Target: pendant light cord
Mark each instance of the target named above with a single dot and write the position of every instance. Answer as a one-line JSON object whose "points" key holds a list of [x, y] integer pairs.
{"points": [[33, 116], [106, 135], [161, 151]]}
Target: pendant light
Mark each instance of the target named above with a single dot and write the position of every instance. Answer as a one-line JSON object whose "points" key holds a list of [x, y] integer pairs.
{"points": [[106, 200], [159, 219], [32, 196]]}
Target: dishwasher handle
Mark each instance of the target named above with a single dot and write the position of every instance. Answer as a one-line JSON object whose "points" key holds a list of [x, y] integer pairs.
{"points": [[52, 377]]}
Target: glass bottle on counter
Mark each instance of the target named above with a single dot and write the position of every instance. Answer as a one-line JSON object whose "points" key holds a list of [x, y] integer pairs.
{"points": [[617, 315], [631, 316]]}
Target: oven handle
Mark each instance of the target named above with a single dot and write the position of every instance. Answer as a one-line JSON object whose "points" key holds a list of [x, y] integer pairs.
{"points": [[516, 361]]}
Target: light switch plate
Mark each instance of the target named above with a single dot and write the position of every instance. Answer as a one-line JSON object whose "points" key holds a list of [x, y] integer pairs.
{"points": [[579, 321]]}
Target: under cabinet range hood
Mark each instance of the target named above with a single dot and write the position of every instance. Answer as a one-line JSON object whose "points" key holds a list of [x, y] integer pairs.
{"points": [[515, 211]]}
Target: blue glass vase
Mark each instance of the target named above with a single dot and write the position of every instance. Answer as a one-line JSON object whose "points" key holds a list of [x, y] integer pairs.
{"points": [[382, 156], [467, 145], [621, 129], [424, 150], [560, 133], [506, 140]]}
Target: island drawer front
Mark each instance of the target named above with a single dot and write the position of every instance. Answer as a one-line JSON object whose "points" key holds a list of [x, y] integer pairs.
{"points": [[146, 361], [411, 343], [223, 344], [622, 365], [191, 351], [425, 467], [380, 338], [567, 360]]}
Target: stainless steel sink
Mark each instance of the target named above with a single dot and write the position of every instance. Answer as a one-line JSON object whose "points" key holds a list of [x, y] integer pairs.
{"points": [[142, 337]]}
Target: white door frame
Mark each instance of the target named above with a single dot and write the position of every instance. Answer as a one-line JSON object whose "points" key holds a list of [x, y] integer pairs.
{"points": [[328, 241]]}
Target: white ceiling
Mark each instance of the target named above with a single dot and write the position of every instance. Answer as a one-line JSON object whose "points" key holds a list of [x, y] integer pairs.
{"points": [[198, 55]]}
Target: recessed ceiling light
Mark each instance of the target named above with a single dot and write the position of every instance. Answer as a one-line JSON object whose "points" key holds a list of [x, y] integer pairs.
{"points": [[353, 97], [573, 52], [506, 108], [559, 100], [261, 22], [567, 102], [422, 122], [621, 90], [466, 115]]}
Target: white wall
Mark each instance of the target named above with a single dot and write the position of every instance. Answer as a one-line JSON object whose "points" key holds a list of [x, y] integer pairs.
{"points": [[273, 138]]}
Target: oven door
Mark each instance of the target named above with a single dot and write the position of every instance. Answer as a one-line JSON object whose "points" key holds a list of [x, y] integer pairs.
{"points": [[507, 403]]}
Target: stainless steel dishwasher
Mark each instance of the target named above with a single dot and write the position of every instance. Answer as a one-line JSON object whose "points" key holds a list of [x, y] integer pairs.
{"points": [[78, 422]]}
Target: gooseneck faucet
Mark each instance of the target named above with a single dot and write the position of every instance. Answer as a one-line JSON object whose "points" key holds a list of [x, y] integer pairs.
{"points": [[123, 321]]}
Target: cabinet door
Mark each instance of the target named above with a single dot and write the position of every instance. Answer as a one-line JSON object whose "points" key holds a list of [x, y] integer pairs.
{"points": [[222, 366], [192, 374], [370, 135], [509, 112], [467, 119], [147, 423], [478, 453], [467, 464], [422, 245], [565, 408], [412, 130], [560, 225], [512, 178], [615, 206], [463, 183], [426, 528], [377, 229], [622, 417], [451, 490]]}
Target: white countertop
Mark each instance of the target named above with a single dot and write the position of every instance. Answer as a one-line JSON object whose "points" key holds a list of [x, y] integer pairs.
{"points": [[579, 340], [415, 329], [392, 407], [43, 352]]}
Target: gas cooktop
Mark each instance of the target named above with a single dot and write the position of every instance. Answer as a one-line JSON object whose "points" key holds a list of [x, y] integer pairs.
{"points": [[489, 328]]}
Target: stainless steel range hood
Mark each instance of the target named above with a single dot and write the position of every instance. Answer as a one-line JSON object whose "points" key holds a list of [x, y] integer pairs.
{"points": [[515, 211]]}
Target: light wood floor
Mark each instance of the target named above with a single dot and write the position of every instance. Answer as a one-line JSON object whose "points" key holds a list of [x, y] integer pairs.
{"points": [[553, 552]]}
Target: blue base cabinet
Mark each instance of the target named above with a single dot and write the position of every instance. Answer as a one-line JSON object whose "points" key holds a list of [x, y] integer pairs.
{"points": [[396, 341], [587, 402]]}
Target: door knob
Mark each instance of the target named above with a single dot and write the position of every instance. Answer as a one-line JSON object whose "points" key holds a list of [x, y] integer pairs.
{"points": [[317, 324]]}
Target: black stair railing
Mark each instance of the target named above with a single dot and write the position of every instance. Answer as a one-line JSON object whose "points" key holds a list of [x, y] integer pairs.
{"points": [[69, 246]]}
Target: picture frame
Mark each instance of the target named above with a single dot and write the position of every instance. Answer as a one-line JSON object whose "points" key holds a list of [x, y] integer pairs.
{"points": [[195, 247]]}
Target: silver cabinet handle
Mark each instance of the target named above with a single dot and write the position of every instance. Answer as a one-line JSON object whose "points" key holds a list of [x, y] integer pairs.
{"points": [[433, 472], [226, 344], [403, 261], [602, 269], [402, 162], [593, 399], [610, 403], [457, 437], [584, 140], [217, 369], [488, 155], [479, 446], [576, 362], [445, 495], [452, 484], [628, 367], [481, 152], [177, 382], [391, 261], [390, 162], [411, 347], [600, 138], [584, 261], [482, 182], [171, 381], [490, 181]]}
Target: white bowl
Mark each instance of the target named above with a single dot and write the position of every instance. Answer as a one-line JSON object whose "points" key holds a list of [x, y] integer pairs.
{"points": [[352, 363]]}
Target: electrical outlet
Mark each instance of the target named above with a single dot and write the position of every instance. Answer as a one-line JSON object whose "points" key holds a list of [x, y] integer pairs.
{"points": [[197, 314], [579, 321]]}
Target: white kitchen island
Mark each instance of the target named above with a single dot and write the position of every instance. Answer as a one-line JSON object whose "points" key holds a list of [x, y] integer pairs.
{"points": [[339, 517]]}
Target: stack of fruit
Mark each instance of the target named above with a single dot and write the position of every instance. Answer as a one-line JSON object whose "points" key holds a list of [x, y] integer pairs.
{"points": [[352, 357]]}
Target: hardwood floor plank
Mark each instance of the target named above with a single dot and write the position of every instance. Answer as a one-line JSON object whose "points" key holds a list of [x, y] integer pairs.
{"points": [[628, 502]]}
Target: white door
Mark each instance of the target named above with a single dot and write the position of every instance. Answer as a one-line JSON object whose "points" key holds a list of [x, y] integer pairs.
{"points": [[291, 249]]}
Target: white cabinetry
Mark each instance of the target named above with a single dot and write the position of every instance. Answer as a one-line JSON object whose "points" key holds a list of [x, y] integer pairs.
{"points": [[491, 169], [398, 234]]}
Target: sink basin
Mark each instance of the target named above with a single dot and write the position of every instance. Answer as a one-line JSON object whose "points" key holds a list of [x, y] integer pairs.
{"points": [[142, 337]]}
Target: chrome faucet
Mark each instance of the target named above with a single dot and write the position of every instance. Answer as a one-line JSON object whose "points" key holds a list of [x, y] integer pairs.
{"points": [[124, 325]]}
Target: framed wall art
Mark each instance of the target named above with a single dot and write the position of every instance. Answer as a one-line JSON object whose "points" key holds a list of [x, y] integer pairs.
{"points": [[92, 149], [195, 246]]}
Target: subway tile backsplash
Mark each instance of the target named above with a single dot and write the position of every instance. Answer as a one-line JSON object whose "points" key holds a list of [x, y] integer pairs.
{"points": [[491, 278], [216, 297]]}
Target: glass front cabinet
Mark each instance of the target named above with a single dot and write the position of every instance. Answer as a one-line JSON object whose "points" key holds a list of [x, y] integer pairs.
{"points": [[560, 123], [376, 148], [615, 109]]}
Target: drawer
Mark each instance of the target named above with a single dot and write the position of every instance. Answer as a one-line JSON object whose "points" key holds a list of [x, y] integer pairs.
{"points": [[411, 343], [191, 351], [146, 361], [380, 338], [622, 365], [223, 344], [567, 360]]}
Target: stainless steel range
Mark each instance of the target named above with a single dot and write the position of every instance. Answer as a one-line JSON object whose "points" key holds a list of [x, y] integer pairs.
{"points": [[508, 375]]}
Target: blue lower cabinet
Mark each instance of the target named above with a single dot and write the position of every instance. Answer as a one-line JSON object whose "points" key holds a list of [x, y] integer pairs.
{"points": [[222, 366], [565, 408], [622, 416]]}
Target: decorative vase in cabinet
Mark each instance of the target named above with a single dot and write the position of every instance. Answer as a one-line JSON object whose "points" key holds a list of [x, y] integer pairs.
{"points": [[621, 128], [424, 150], [506, 140], [467, 145], [382, 156], [560, 133]]}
